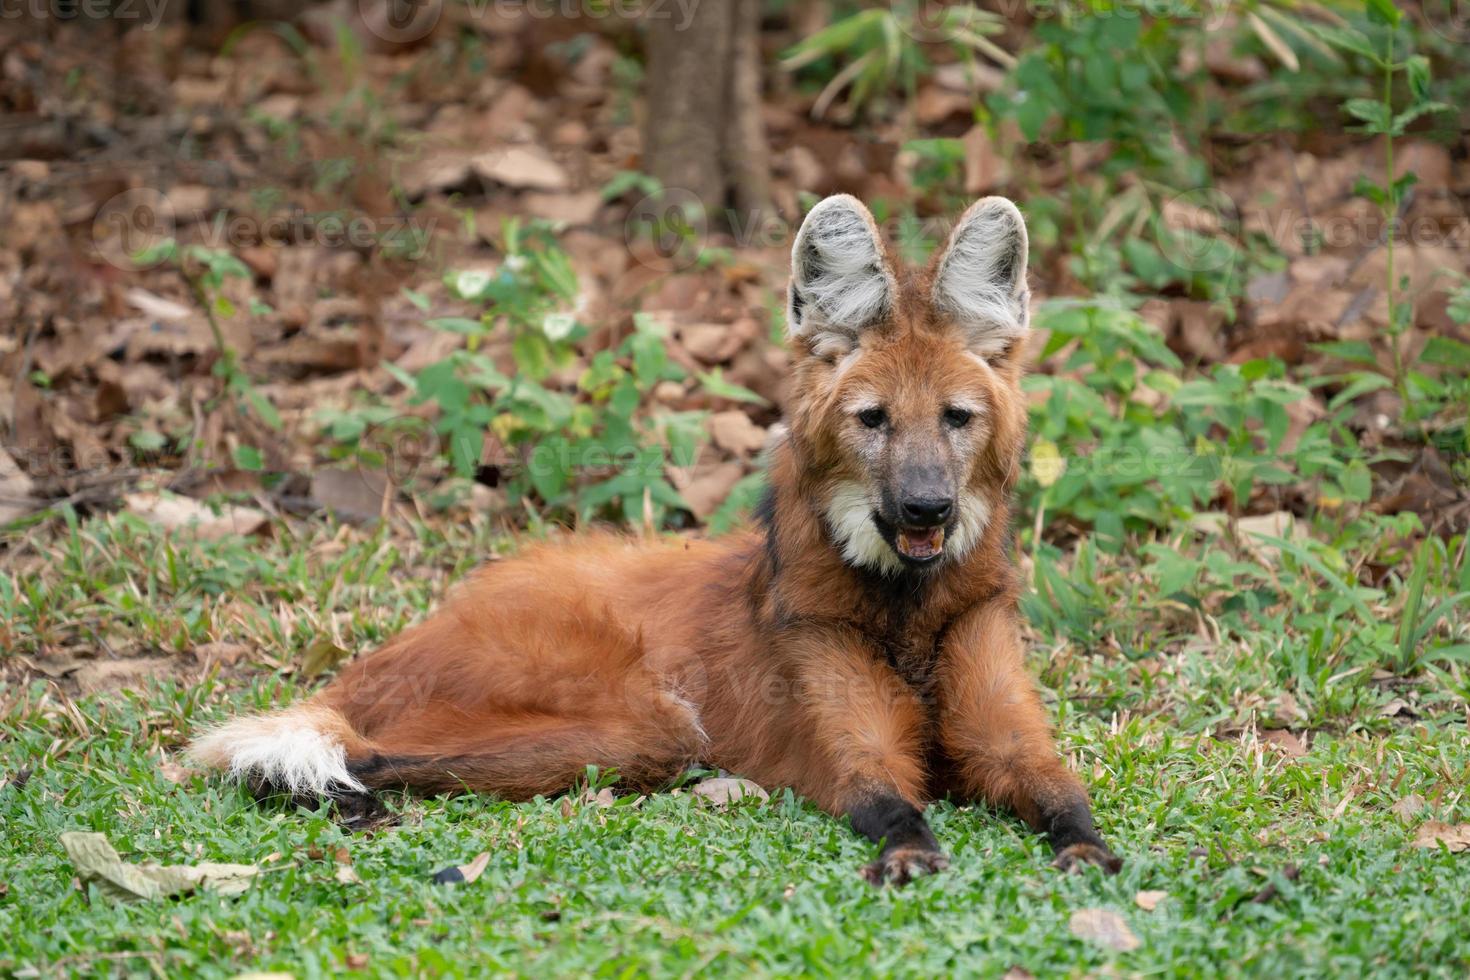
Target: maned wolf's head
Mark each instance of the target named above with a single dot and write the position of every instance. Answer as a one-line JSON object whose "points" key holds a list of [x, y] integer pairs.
{"points": [[907, 417]]}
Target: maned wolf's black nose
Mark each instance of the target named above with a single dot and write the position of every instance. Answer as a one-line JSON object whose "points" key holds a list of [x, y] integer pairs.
{"points": [[926, 511]]}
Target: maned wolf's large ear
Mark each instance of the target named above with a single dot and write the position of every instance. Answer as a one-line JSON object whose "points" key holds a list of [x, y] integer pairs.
{"points": [[841, 283], [981, 279]]}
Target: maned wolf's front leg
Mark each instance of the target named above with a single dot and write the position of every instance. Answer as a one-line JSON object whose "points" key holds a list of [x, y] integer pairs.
{"points": [[994, 730], [867, 726]]}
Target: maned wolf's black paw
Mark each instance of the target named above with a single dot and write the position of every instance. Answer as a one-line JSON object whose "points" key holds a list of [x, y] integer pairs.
{"points": [[901, 865], [362, 812], [1075, 857]]}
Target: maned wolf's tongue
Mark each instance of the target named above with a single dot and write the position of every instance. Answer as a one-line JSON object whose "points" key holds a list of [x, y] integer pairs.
{"points": [[921, 542]]}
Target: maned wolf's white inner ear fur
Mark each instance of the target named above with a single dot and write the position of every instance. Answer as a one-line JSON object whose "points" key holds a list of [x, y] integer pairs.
{"points": [[982, 277], [841, 283]]}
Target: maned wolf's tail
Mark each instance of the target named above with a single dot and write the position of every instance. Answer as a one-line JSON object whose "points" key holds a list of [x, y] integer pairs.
{"points": [[302, 749]]}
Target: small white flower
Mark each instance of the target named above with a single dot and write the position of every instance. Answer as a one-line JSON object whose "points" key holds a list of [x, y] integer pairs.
{"points": [[470, 283], [558, 326]]}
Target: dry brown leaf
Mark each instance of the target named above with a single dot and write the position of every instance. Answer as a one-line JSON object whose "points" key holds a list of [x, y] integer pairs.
{"points": [[1408, 808], [986, 168], [97, 676], [465, 873], [175, 773], [1454, 836], [714, 343], [15, 490], [573, 209], [1149, 900], [603, 797], [521, 167], [175, 513], [223, 653], [709, 487], [96, 860], [354, 495], [724, 790], [1287, 710], [321, 657], [1284, 740], [734, 432], [1396, 707], [1103, 927], [435, 171], [158, 307]]}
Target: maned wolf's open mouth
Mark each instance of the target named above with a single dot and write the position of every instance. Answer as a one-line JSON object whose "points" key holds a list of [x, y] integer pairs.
{"points": [[920, 543], [916, 545]]}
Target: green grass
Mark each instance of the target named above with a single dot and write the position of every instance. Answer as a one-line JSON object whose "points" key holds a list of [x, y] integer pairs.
{"points": [[1199, 806]]}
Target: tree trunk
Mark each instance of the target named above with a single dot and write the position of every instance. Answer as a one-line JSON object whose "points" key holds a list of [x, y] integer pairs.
{"points": [[703, 133]]}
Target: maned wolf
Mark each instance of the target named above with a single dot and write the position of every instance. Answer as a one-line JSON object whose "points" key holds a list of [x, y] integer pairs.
{"points": [[858, 644]]}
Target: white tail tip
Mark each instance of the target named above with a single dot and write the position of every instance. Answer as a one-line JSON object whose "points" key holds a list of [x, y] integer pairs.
{"points": [[300, 750]]}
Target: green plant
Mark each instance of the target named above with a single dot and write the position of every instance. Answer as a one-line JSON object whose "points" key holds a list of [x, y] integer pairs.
{"points": [[881, 49], [1378, 41], [1126, 445], [578, 425], [205, 271]]}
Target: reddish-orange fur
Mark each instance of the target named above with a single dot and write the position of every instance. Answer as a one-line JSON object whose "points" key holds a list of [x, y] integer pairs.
{"points": [[761, 652]]}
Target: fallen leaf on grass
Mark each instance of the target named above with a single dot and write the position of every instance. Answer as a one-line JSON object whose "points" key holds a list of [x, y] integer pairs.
{"points": [[96, 860], [1103, 927], [172, 513], [346, 875], [1454, 836], [1396, 707], [1284, 740], [1408, 808], [464, 873], [321, 657], [724, 790], [1289, 873], [175, 773], [354, 495], [220, 652], [15, 491], [97, 676], [1148, 901], [603, 797]]}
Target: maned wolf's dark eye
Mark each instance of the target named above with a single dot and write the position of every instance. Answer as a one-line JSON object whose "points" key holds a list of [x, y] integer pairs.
{"points": [[873, 418], [957, 417]]}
